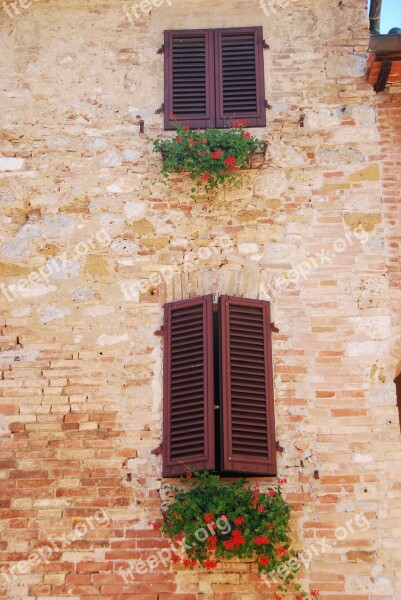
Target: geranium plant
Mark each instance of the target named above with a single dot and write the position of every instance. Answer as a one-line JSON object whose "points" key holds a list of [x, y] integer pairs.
{"points": [[212, 157], [219, 519]]}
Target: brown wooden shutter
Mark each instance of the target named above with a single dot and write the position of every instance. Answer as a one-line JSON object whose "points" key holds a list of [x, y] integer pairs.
{"points": [[188, 428], [240, 86], [189, 88], [247, 387]]}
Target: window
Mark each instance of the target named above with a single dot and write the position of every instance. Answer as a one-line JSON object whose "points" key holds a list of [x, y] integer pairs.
{"points": [[213, 77], [218, 387]]}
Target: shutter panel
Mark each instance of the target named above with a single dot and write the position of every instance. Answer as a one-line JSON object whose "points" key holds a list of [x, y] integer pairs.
{"points": [[247, 387], [189, 88], [240, 87], [188, 431]]}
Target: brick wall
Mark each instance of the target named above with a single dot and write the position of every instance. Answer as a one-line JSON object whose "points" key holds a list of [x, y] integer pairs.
{"points": [[96, 244]]}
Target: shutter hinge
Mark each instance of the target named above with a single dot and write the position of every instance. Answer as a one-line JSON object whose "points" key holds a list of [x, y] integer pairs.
{"points": [[267, 105], [159, 331], [161, 49], [160, 110], [157, 450], [274, 328], [279, 448], [265, 45]]}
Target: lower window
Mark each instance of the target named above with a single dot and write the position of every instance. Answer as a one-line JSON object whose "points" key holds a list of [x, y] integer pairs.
{"points": [[218, 387]]}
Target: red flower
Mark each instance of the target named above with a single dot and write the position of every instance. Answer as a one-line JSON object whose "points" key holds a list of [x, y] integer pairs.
{"points": [[229, 544], [212, 526], [238, 538], [281, 551], [224, 173], [243, 123], [246, 135], [150, 522], [261, 539], [277, 597], [238, 521], [281, 480], [230, 160], [179, 537], [206, 177], [264, 560], [188, 476], [179, 138], [186, 127], [261, 508], [232, 168], [209, 516], [191, 142], [176, 559], [217, 154], [315, 593], [271, 492], [255, 498], [189, 563], [202, 141], [172, 116], [211, 540], [209, 564], [156, 526], [236, 123]]}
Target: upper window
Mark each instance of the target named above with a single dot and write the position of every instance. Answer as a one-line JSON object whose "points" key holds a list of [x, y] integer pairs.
{"points": [[218, 387], [213, 76]]}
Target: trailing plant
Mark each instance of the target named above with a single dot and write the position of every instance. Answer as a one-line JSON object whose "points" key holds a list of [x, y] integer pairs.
{"points": [[219, 519], [213, 157]]}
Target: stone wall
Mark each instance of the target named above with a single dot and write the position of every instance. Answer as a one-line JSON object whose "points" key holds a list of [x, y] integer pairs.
{"points": [[93, 245]]}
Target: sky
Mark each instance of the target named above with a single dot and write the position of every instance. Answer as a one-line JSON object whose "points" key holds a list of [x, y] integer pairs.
{"points": [[391, 15]]}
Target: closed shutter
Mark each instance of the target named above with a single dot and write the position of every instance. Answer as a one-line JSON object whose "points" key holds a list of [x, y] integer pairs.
{"points": [[240, 88], [189, 78], [247, 387], [188, 426]]}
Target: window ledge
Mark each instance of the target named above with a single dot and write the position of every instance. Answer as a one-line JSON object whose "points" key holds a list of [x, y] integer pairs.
{"points": [[384, 60]]}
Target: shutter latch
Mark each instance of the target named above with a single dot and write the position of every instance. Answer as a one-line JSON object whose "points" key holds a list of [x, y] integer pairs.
{"points": [[216, 406], [278, 447], [159, 331], [267, 105], [265, 45], [274, 328], [160, 110], [161, 50]]}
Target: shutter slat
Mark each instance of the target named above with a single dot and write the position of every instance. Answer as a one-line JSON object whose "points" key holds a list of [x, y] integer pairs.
{"points": [[188, 428], [240, 87], [189, 78], [247, 387]]}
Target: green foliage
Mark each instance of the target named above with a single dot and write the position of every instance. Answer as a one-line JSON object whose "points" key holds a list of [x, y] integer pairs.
{"points": [[212, 157], [221, 519]]}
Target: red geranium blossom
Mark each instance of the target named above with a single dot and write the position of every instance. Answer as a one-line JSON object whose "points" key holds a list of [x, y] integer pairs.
{"points": [[271, 492], [179, 138], [156, 526], [206, 177], [229, 544], [210, 564], [315, 593], [282, 480], [209, 516], [246, 135], [186, 127], [238, 521], [261, 508], [232, 168], [188, 476], [261, 539], [202, 141], [191, 142], [172, 116], [230, 160], [217, 154], [281, 551], [176, 559], [189, 563], [264, 560]]}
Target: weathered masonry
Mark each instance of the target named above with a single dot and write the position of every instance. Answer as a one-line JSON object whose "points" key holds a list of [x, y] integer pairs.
{"points": [[93, 245]]}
